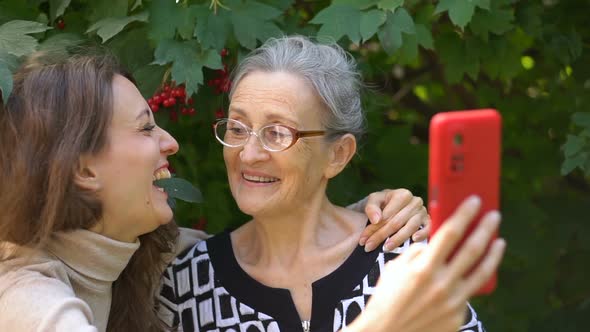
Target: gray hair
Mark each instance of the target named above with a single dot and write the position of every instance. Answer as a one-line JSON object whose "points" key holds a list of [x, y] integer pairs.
{"points": [[329, 68]]}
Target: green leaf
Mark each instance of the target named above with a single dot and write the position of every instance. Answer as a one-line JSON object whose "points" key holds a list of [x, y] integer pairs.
{"points": [[5, 81], [339, 20], [103, 9], [408, 52], [212, 31], [180, 189], [247, 30], [164, 16], [573, 145], [360, 4], [252, 21], [57, 8], [501, 57], [390, 5], [370, 23], [109, 27], [390, 34], [14, 37], [280, 4], [187, 61], [137, 4], [404, 21], [424, 37], [23, 10], [571, 163], [581, 119], [10, 61], [149, 79], [496, 21], [186, 22], [461, 11], [458, 56], [126, 44]]}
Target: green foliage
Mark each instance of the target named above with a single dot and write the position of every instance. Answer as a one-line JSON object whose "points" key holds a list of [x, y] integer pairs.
{"points": [[528, 59], [178, 188], [110, 26]]}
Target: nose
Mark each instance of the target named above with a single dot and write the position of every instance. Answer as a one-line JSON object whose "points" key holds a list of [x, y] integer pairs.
{"points": [[253, 151], [168, 145]]}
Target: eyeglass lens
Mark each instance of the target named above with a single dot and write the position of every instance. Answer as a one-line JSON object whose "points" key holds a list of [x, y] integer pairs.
{"points": [[274, 137]]}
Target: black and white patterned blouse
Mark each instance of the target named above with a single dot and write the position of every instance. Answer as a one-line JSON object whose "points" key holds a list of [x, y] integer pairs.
{"points": [[205, 289]]}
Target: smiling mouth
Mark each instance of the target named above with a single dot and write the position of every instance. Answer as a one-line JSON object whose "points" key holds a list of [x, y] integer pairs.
{"points": [[259, 179], [162, 173]]}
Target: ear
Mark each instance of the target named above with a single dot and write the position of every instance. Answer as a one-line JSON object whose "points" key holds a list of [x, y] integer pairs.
{"points": [[341, 151], [86, 175]]}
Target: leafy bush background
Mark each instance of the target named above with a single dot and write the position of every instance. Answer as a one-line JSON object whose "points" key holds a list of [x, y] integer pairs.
{"points": [[528, 59]]}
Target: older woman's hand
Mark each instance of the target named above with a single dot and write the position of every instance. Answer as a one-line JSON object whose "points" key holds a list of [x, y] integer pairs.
{"points": [[396, 214], [422, 290]]}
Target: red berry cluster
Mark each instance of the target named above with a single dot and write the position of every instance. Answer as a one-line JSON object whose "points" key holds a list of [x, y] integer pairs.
{"points": [[173, 98], [221, 83]]}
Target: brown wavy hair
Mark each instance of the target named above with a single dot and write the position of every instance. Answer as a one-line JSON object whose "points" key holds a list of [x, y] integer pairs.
{"points": [[60, 109]]}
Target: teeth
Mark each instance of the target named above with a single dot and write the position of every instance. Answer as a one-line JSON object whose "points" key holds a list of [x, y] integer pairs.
{"points": [[162, 173], [259, 178]]}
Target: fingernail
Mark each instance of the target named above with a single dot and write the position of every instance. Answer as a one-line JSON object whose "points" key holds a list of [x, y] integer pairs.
{"points": [[363, 240], [387, 246], [369, 246], [495, 216], [376, 217], [474, 201]]}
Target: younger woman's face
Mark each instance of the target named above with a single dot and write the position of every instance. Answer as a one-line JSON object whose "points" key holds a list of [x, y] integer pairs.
{"points": [[136, 152]]}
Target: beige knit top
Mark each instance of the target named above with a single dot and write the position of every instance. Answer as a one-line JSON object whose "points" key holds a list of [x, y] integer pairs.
{"points": [[66, 286]]}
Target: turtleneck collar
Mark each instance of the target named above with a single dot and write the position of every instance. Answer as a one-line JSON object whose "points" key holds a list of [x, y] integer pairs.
{"points": [[91, 254]]}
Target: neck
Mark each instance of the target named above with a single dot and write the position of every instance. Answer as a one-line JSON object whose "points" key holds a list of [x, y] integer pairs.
{"points": [[313, 229]]}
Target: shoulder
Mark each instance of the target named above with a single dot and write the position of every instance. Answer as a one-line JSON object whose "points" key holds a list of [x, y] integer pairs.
{"points": [[190, 273], [187, 238], [31, 300]]}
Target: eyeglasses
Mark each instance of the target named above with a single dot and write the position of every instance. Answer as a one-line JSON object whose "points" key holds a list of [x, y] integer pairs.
{"points": [[274, 137]]}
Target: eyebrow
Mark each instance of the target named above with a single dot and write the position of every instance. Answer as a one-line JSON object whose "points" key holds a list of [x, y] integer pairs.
{"points": [[145, 112]]}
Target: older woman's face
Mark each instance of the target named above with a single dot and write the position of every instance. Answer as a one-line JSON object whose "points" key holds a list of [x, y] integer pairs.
{"points": [[136, 151], [264, 182]]}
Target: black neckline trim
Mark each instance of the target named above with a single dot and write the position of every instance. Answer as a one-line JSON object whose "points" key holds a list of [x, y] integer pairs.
{"points": [[277, 302]]}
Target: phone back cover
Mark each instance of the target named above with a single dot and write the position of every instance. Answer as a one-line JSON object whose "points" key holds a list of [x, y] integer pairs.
{"points": [[464, 160]]}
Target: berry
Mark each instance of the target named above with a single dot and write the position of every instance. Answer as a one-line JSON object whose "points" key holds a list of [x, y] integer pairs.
{"points": [[157, 99], [60, 24], [164, 96], [224, 52], [171, 101], [190, 101], [166, 88], [154, 107], [166, 103], [191, 111], [219, 113]]}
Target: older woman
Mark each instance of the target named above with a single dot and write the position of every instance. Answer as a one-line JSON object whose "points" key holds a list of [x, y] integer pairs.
{"points": [[293, 124], [84, 233]]}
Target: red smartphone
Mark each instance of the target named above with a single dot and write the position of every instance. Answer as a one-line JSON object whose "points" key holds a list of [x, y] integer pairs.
{"points": [[464, 160]]}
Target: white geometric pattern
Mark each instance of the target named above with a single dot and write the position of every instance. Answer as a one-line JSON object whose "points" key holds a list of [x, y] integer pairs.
{"points": [[192, 299]]}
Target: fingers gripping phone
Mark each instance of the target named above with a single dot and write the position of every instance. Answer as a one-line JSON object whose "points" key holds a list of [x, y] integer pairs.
{"points": [[464, 159]]}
